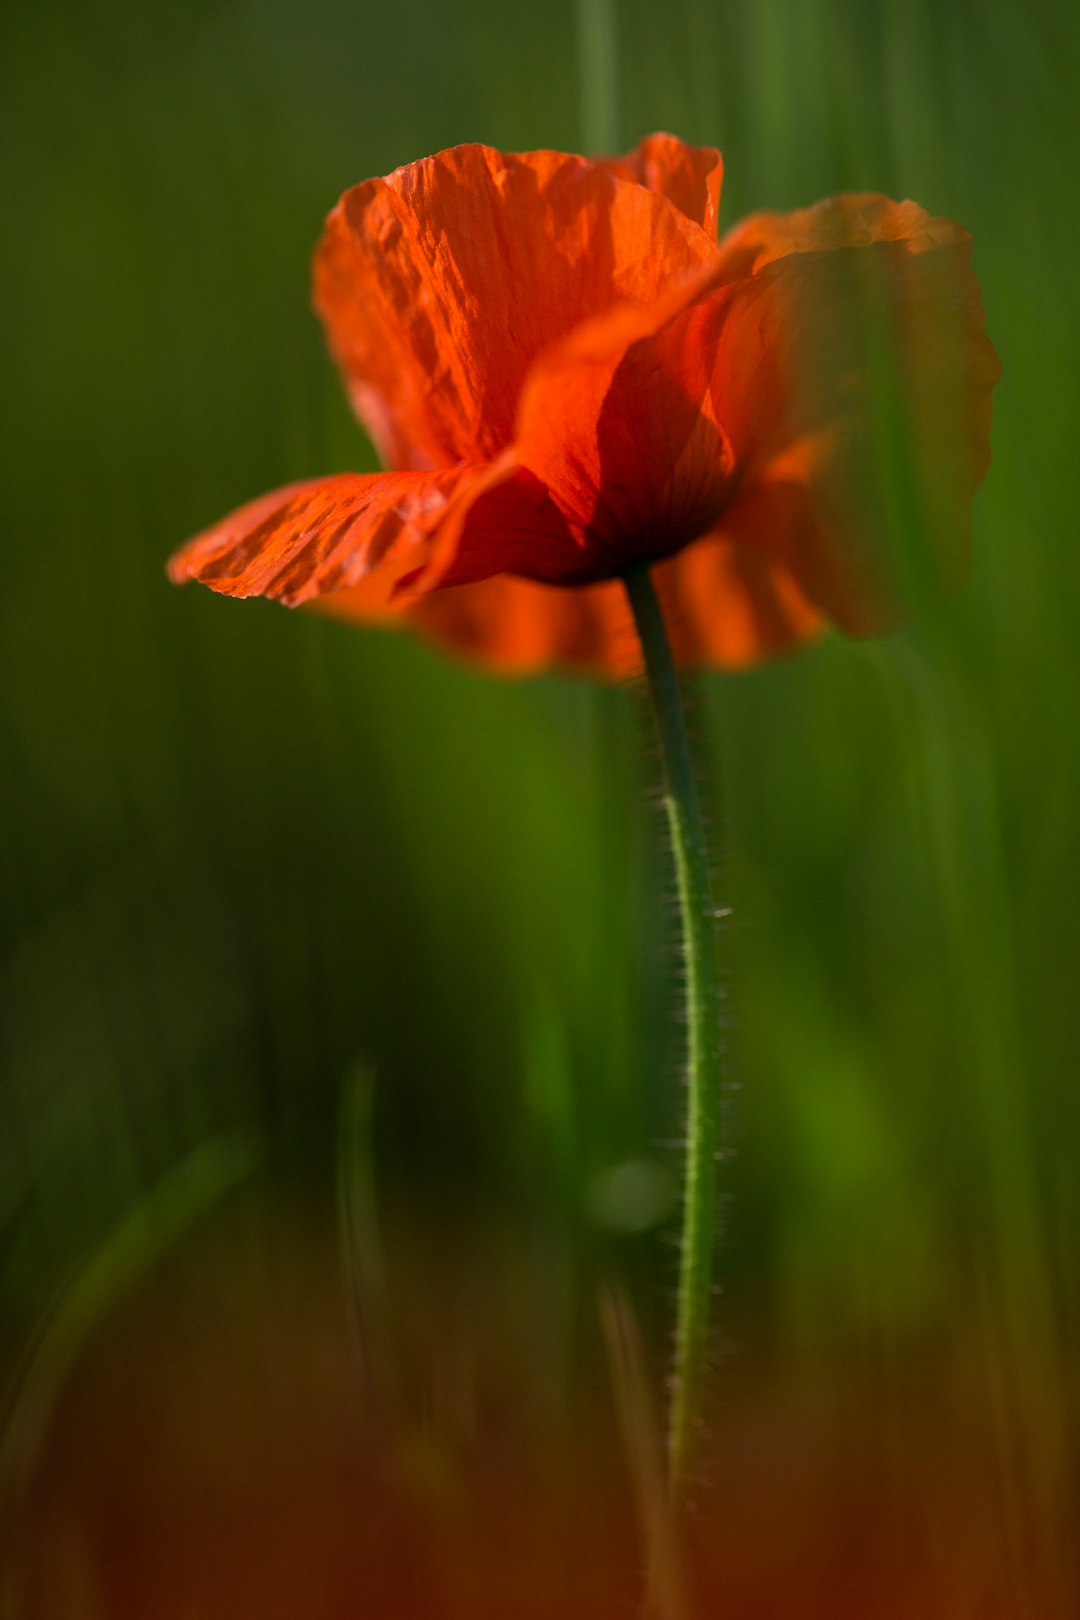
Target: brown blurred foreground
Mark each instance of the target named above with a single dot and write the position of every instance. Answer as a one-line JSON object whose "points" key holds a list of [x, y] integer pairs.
{"points": [[239, 1442]]}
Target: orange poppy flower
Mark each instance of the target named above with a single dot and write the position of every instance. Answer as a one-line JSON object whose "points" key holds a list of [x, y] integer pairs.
{"points": [[567, 373]]}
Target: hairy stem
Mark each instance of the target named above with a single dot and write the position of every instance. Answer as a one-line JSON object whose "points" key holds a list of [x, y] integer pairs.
{"points": [[703, 1005]]}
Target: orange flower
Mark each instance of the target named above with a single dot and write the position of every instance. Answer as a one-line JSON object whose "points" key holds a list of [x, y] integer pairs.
{"points": [[567, 374]]}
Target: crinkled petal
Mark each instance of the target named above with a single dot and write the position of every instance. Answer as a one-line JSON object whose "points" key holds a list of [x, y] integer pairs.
{"points": [[509, 525], [790, 426], [353, 531], [825, 386], [440, 285], [619, 425], [830, 408], [688, 176]]}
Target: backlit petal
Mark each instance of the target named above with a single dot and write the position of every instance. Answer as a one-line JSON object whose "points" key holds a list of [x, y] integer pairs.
{"points": [[731, 604], [509, 525], [364, 532], [520, 627], [619, 424], [574, 376], [440, 285], [726, 605], [852, 219], [852, 372], [688, 176]]}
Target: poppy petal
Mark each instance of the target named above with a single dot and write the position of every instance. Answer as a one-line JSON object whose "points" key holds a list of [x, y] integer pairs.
{"points": [[615, 424], [521, 627], [726, 605], [361, 531], [440, 285], [852, 219], [730, 604], [505, 523], [854, 375], [688, 176]]}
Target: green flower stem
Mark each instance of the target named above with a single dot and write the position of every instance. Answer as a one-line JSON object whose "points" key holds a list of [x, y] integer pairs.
{"points": [[704, 1037]]}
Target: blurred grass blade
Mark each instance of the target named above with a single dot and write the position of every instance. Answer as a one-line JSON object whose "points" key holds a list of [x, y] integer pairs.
{"points": [[365, 1279], [665, 1597], [126, 1255], [598, 71]]}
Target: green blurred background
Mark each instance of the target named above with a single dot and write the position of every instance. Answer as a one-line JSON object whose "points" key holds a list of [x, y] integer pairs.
{"points": [[338, 1006]]}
